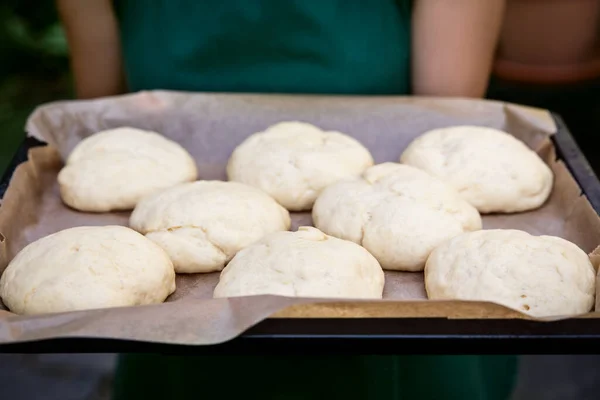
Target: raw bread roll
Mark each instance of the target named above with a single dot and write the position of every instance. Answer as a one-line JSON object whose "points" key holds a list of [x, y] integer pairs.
{"points": [[112, 170], [306, 263], [397, 212], [202, 224], [294, 161], [86, 268], [541, 276], [491, 169]]}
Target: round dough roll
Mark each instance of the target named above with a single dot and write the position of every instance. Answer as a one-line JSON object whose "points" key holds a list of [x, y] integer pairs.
{"points": [[87, 267], [490, 169], [201, 225], [112, 170], [294, 161], [542, 276], [397, 212], [306, 263]]}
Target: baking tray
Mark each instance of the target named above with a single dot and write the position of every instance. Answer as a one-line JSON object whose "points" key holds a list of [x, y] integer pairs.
{"points": [[376, 336]]}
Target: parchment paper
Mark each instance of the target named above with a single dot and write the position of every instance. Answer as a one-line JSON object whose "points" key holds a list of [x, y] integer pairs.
{"points": [[210, 126]]}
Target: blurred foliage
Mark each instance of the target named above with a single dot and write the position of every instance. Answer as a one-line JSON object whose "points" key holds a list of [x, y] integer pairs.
{"points": [[31, 39], [34, 67]]}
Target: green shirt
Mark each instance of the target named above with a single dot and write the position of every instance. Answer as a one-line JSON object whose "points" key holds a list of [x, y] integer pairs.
{"points": [[286, 46]]}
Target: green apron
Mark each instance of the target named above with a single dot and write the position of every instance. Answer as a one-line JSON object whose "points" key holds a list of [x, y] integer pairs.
{"points": [[285, 46], [306, 378]]}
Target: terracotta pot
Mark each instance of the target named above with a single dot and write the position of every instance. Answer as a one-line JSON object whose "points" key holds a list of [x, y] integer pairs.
{"points": [[548, 74], [550, 31], [548, 41]]}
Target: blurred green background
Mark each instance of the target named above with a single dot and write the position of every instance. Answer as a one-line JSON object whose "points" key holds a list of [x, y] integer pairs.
{"points": [[34, 67]]}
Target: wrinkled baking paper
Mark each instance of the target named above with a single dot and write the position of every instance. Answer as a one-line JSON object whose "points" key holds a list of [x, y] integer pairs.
{"points": [[210, 126]]}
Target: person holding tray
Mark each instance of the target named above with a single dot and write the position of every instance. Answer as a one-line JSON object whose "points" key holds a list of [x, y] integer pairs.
{"points": [[361, 47]]}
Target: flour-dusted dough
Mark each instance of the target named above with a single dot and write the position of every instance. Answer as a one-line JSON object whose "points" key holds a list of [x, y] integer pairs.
{"points": [[112, 170], [294, 161], [87, 267], [541, 276], [202, 224], [491, 169], [306, 263], [397, 212]]}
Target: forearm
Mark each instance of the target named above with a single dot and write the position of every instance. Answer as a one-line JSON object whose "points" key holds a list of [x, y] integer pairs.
{"points": [[93, 36], [454, 42]]}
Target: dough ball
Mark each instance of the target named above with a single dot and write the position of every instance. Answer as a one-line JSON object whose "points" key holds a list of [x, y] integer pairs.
{"points": [[397, 212], [294, 161], [541, 276], [112, 170], [306, 263], [87, 267], [491, 169], [202, 224]]}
